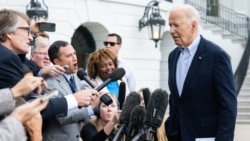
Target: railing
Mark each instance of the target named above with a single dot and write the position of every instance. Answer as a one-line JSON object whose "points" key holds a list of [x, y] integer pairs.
{"points": [[227, 19], [242, 68], [222, 16]]}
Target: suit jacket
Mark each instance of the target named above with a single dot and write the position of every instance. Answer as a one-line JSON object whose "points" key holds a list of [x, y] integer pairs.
{"points": [[12, 129], [207, 106], [7, 102], [65, 128], [11, 69]]}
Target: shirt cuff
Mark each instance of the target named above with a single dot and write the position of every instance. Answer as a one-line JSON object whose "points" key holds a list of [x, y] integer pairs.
{"points": [[90, 111], [39, 73], [72, 103]]}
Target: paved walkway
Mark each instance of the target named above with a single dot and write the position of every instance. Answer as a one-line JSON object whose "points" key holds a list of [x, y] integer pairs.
{"points": [[242, 132]]}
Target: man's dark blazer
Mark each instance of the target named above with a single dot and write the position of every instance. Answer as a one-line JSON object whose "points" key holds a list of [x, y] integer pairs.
{"points": [[11, 69], [11, 72], [207, 106]]}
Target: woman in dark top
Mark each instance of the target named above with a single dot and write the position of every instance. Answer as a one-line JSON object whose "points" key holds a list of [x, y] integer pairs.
{"points": [[102, 127]]}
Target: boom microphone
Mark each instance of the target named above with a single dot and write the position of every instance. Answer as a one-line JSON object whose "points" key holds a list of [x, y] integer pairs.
{"points": [[114, 76], [136, 122], [83, 76], [146, 95], [156, 108], [131, 101], [122, 93]]}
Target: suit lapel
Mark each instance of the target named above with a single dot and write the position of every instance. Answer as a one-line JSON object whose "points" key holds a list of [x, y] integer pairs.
{"points": [[172, 73], [198, 58], [77, 82], [64, 84]]}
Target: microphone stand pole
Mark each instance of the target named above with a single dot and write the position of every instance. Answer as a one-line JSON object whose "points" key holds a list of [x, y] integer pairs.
{"points": [[119, 133]]}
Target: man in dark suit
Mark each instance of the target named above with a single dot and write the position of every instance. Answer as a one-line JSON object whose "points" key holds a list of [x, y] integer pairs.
{"points": [[203, 102], [15, 37]]}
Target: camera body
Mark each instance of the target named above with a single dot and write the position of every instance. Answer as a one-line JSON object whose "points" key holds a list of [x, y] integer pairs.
{"points": [[50, 27]]}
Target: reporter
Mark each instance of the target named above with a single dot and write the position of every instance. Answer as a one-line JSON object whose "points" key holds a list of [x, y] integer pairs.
{"points": [[102, 127]]}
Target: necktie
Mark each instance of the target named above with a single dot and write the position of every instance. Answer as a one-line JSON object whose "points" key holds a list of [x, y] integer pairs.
{"points": [[182, 69], [72, 84]]}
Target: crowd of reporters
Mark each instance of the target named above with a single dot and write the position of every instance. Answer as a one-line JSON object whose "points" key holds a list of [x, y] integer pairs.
{"points": [[26, 112]]}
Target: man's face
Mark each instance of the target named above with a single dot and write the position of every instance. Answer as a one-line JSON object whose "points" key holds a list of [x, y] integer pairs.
{"points": [[67, 57], [20, 38], [112, 44], [181, 29], [40, 56]]}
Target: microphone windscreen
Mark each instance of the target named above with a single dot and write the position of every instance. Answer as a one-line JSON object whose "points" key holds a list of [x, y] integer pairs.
{"points": [[131, 101], [122, 93], [117, 74], [136, 122], [81, 73], [146, 94], [156, 108]]}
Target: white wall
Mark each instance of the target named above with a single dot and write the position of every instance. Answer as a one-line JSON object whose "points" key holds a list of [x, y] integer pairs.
{"points": [[122, 17]]}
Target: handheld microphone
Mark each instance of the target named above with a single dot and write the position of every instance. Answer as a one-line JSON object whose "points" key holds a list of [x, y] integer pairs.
{"points": [[136, 122], [83, 76], [114, 76], [122, 93], [131, 101], [146, 95]]}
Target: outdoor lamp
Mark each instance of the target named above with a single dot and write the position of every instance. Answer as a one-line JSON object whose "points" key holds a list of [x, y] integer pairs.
{"points": [[153, 20], [35, 10]]}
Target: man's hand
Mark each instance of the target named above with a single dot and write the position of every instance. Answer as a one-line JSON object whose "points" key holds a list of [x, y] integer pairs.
{"points": [[52, 71], [28, 84], [26, 111], [85, 97], [34, 127], [35, 27]]}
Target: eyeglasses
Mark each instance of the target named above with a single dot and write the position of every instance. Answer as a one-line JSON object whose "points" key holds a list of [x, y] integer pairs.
{"points": [[41, 53], [27, 29], [111, 43]]}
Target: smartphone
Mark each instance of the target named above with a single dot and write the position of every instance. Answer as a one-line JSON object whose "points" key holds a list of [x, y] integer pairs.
{"points": [[51, 27], [50, 94]]}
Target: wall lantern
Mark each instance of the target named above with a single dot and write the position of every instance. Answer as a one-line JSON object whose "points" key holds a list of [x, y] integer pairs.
{"points": [[35, 10], [153, 20]]}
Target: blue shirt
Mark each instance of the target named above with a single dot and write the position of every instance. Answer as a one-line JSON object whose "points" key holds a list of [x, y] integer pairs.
{"points": [[113, 88]]}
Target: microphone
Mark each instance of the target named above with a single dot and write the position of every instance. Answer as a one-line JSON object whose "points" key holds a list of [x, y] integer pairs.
{"points": [[122, 93], [114, 76], [131, 101], [146, 95], [136, 121], [156, 109], [83, 76]]}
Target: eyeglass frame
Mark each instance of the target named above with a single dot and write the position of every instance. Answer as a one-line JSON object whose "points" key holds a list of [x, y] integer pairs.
{"points": [[111, 43], [41, 53], [27, 29]]}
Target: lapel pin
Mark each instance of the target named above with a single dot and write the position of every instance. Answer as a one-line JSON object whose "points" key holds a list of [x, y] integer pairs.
{"points": [[200, 57]]}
